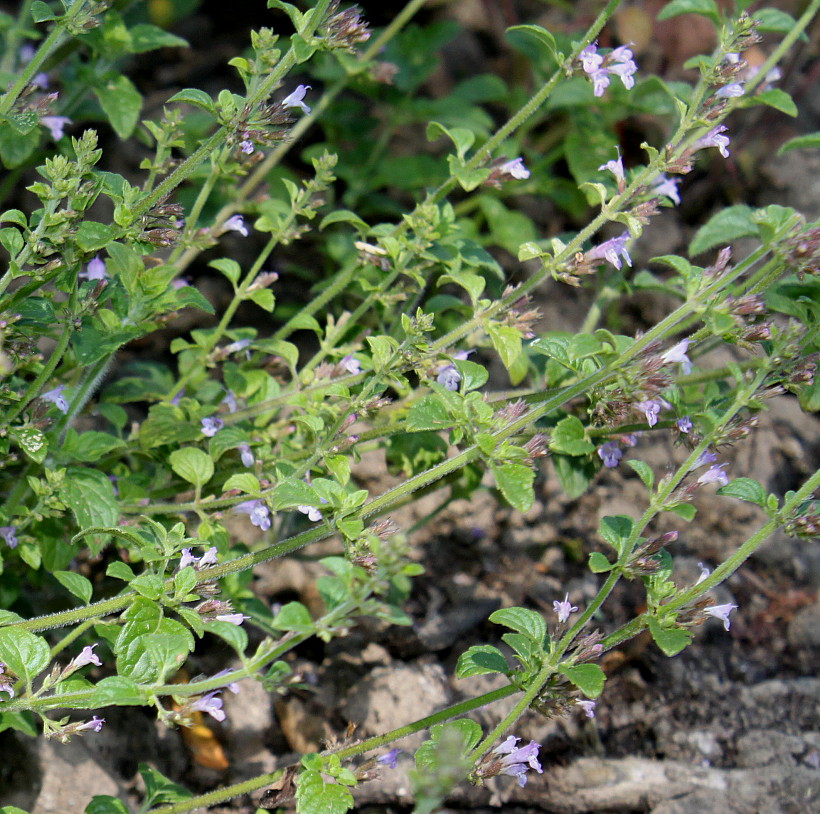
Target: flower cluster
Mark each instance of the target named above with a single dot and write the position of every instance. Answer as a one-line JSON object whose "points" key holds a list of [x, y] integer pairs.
{"points": [[599, 68], [517, 760]]}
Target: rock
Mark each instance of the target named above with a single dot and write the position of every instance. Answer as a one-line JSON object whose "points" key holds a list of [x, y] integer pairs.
{"points": [[804, 628]]}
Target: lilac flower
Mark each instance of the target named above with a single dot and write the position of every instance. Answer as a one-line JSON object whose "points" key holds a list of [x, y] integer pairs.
{"points": [[722, 612], [448, 377], [55, 125], [235, 347], [9, 534], [616, 167], [6, 684], [515, 168], [313, 514], [684, 424], [590, 58], [208, 558], [350, 364], [563, 609], [714, 138], [618, 62], [588, 707], [704, 572], [245, 455], [704, 458], [95, 270], [230, 401], [668, 187], [94, 725], [211, 426], [187, 559], [233, 686], [232, 618], [461, 355], [517, 760], [630, 439], [246, 146], [40, 80], [235, 223], [389, 759], [715, 474], [611, 250], [651, 409], [677, 354], [729, 91], [57, 398], [622, 65], [258, 511], [610, 453], [209, 703], [86, 656], [296, 98]]}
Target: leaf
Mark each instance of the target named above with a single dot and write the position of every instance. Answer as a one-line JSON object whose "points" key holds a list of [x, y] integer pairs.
{"points": [[515, 481], [746, 489], [89, 446], [90, 496], [523, 620], [25, 654], [706, 8], [243, 481], [92, 236], [234, 635], [428, 414], [670, 640], [197, 98], [574, 474], [159, 789], [102, 804], [568, 437], [811, 141], [685, 510], [314, 796], [616, 531], [293, 616], [192, 465], [32, 442], [481, 659], [598, 563], [506, 341], [146, 37], [644, 472], [776, 98], [462, 138], [121, 102], [76, 584], [120, 691], [727, 225], [531, 40], [589, 678]]}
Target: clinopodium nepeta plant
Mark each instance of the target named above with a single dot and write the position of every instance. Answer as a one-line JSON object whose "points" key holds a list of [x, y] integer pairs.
{"points": [[119, 478]]}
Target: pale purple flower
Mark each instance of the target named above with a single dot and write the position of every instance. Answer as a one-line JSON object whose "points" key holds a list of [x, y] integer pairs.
{"points": [[714, 138], [704, 572], [95, 270], [313, 514], [55, 125], [721, 612], [600, 81], [462, 355], [590, 59], [233, 686], [187, 559], [94, 725], [208, 558], [56, 398], [296, 99], [211, 426], [40, 80], [230, 401], [245, 455], [563, 609], [704, 458], [209, 703], [729, 91], [258, 511], [517, 760], [616, 167], [610, 453], [389, 759], [612, 251], [651, 409], [677, 354], [246, 146], [448, 377], [630, 439], [235, 223], [515, 168], [86, 656], [350, 364], [9, 534], [620, 63], [684, 424], [235, 347], [232, 618], [6, 684], [588, 707], [668, 187], [715, 474], [26, 53]]}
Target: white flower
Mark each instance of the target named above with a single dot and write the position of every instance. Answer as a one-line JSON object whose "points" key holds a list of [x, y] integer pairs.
{"points": [[295, 99]]}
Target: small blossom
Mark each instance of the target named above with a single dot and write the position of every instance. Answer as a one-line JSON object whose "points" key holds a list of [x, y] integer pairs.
{"points": [[704, 572], [211, 426], [246, 147], [616, 167], [233, 686], [55, 125], [517, 760], [208, 558], [715, 474], [651, 409], [258, 511], [230, 401], [677, 354], [232, 618], [350, 364], [9, 535], [448, 377], [209, 703], [704, 458], [515, 168], [610, 453], [245, 455], [95, 270], [389, 759], [722, 612], [590, 58], [56, 398], [313, 514], [729, 91], [668, 187], [94, 725], [563, 609], [6, 684], [611, 250], [684, 424], [714, 138], [40, 80], [187, 559], [618, 62], [588, 707], [461, 355], [630, 439], [296, 98], [235, 223], [86, 656]]}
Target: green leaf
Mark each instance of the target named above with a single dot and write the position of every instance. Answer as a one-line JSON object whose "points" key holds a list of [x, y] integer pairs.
{"points": [[574, 474], [230, 268], [88, 447], [462, 138], [146, 37], [314, 796], [616, 531], [745, 489], [811, 141], [598, 563], [644, 472], [90, 496], [192, 465], [119, 570], [32, 442], [776, 98], [293, 616], [533, 41], [568, 437], [525, 621], [76, 584], [589, 678], [773, 19], [727, 225], [103, 804], [92, 236], [706, 8], [25, 654], [234, 635], [670, 640], [506, 341], [243, 481], [481, 659], [685, 510], [515, 483], [428, 414], [121, 102], [159, 789], [40, 12], [119, 691], [197, 98]]}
